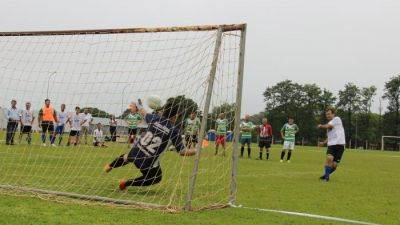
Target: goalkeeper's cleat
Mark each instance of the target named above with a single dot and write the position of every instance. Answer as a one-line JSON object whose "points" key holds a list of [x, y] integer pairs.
{"points": [[107, 168], [122, 185]]}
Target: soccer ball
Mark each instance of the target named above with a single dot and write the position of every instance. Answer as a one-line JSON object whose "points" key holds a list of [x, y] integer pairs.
{"points": [[154, 102]]}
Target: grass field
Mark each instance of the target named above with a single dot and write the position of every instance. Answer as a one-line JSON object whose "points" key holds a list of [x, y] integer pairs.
{"points": [[366, 187]]}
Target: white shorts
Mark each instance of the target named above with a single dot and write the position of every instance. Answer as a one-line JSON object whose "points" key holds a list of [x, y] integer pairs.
{"points": [[288, 145]]}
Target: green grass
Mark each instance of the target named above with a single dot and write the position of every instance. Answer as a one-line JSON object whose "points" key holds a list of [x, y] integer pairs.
{"points": [[366, 187]]}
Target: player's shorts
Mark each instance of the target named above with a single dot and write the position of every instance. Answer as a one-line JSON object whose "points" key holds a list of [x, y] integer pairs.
{"points": [[132, 131], [26, 129], [221, 139], [191, 138], [245, 140], [74, 133], [60, 129], [288, 145], [96, 143], [265, 142], [47, 126], [336, 151]]}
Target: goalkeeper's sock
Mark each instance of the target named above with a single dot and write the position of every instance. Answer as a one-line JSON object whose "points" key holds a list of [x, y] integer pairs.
{"points": [[282, 155], [118, 162]]}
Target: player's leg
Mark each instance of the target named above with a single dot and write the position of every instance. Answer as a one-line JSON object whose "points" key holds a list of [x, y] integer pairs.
{"points": [[29, 136], [285, 146], [21, 133], [267, 147], [291, 148], [149, 177], [248, 142], [120, 161], [242, 142], [45, 126], [223, 143], [217, 143]]}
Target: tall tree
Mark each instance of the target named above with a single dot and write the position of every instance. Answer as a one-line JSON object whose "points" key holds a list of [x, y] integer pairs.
{"points": [[392, 94], [349, 101]]}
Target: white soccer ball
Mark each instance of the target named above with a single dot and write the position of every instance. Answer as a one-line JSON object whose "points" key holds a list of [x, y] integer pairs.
{"points": [[154, 102]]}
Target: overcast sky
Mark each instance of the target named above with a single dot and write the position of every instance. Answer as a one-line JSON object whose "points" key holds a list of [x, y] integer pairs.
{"points": [[328, 43]]}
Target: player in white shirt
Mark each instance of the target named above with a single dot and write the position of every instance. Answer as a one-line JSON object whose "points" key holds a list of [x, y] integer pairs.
{"points": [[85, 126], [75, 121], [62, 118], [336, 142], [98, 138], [26, 121]]}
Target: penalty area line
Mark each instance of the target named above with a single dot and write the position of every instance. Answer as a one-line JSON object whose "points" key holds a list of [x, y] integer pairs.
{"points": [[320, 217]]}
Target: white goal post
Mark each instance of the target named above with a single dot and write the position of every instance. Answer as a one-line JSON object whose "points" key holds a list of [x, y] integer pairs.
{"points": [[387, 137], [103, 71]]}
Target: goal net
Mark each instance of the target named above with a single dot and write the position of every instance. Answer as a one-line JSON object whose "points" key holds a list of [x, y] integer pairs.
{"points": [[103, 71], [390, 143]]}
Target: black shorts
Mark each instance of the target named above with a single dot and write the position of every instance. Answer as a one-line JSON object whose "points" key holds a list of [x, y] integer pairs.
{"points": [[336, 151], [191, 139], [265, 142], [74, 133], [47, 126], [132, 131], [26, 129]]}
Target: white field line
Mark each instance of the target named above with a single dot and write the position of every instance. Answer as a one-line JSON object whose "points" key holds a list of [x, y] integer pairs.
{"points": [[320, 217]]}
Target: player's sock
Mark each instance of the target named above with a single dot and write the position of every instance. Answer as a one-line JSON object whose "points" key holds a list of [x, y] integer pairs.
{"points": [[260, 155], [59, 140], [289, 154], [52, 139], [267, 155], [248, 152], [241, 151], [328, 170], [43, 138], [282, 155], [333, 170], [118, 162]]}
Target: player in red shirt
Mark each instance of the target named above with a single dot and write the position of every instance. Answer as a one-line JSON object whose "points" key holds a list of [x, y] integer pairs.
{"points": [[265, 137]]}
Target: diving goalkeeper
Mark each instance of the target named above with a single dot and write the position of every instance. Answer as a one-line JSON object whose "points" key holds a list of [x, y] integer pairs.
{"points": [[146, 152]]}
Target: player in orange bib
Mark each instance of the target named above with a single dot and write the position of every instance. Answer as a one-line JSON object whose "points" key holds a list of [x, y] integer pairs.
{"points": [[47, 118]]}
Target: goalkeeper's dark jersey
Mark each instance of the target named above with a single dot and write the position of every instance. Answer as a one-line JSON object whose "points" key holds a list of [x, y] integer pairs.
{"points": [[154, 142]]}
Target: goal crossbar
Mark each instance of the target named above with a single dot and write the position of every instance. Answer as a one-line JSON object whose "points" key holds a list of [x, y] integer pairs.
{"points": [[223, 27]]}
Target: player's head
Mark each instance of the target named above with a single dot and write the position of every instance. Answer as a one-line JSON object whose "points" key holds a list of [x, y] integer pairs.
{"points": [[246, 117], [62, 107], [172, 109], [28, 105], [290, 119], [192, 115], [47, 102], [77, 109], [13, 103], [330, 113], [86, 111], [99, 126], [221, 116], [265, 121], [133, 107], [112, 117]]}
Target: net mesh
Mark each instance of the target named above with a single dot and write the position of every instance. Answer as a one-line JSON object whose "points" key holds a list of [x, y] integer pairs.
{"points": [[105, 72]]}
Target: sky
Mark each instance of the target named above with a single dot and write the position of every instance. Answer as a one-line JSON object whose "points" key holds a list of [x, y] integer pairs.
{"points": [[329, 43]]}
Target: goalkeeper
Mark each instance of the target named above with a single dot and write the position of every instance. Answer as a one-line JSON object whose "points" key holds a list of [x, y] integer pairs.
{"points": [[146, 152]]}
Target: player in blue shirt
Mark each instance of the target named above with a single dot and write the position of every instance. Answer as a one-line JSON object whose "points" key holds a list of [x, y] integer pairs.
{"points": [[146, 152]]}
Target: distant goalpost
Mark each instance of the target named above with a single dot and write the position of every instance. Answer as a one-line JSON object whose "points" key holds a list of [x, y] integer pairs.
{"points": [[387, 137], [107, 69]]}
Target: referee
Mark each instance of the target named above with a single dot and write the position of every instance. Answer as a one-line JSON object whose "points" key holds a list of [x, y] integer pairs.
{"points": [[13, 117]]}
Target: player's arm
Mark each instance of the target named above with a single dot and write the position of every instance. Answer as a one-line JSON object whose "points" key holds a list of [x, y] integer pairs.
{"points": [[55, 116], [40, 116], [325, 126], [33, 119], [141, 110], [322, 143]]}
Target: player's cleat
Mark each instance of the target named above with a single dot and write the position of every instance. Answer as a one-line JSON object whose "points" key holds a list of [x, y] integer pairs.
{"points": [[44, 144], [122, 184], [107, 168], [281, 161], [288, 161], [322, 177], [53, 145]]}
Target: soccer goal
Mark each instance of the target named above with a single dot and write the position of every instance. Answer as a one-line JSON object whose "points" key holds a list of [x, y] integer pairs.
{"points": [[393, 140], [103, 71]]}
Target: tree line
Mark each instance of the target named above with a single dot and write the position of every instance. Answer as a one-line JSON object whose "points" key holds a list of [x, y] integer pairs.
{"points": [[307, 104]]}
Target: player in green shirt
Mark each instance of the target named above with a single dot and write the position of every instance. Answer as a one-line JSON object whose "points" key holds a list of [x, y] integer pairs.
{"points": [[288, 133], [192, 128], [221, 129], [246, 127], [133, 118]]}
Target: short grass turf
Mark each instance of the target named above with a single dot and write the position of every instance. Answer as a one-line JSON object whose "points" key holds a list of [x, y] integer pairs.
{"points": [[366, 187]]}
